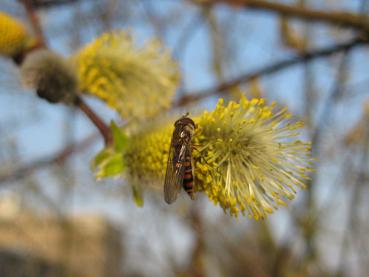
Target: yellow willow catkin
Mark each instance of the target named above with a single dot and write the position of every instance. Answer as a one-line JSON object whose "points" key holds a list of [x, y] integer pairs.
{"points": [[247, 158], [137, 82], [13, 35]]}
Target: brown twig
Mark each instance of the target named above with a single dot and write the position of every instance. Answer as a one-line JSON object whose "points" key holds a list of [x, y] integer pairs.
{"points": [[28, 6], [196, 267], [346, 19], [96, 120], [18, 58], [56, 158], [190, 97], [52, 3], [353, 204], [187, 33]]}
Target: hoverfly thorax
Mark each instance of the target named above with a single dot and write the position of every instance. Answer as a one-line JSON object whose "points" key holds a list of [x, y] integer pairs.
{"points": [[186, 127], [179, 173]]}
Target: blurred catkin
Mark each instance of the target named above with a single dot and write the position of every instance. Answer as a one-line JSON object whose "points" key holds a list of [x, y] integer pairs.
{"points": [[13, 35], [50, 75], [137, 82], [247, 157]]}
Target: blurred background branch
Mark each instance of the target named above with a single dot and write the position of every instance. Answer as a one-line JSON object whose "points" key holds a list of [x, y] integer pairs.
{"points": [[57, 158], [223, 87], [345, 19]]}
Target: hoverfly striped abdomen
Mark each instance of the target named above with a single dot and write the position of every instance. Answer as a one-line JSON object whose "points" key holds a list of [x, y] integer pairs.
{"points": [[179, 173], [188, 178]]}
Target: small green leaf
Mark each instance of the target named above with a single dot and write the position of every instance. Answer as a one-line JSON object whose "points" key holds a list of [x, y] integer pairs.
{"points": [[111, 167], [120, 139], [109, 161], [101, 158], [137, 196]]}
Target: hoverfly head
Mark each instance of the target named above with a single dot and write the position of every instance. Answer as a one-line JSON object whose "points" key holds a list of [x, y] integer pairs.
{"points": [[185, 121]]}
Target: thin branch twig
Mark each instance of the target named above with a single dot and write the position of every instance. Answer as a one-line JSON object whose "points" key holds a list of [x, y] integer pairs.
{"points": [[96, 120], [87, 110], [187, 33], [56, 158], [28, 6], [352, 207], [194, 96], [52, 3], [346, 19]]}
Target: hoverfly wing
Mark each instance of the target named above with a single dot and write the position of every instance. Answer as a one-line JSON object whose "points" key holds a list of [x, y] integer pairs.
{"points": [[175, 169], [172, 184]]}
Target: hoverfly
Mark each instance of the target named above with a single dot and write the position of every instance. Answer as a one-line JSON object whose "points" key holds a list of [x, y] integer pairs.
{"points": [[179, 171]]}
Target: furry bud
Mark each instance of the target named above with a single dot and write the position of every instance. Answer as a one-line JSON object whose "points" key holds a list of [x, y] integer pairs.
{"points": [[53, 78]]}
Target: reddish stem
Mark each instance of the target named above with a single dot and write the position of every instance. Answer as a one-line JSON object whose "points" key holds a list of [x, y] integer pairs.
{"points": [[101, 126], [99, 123], [34, 21]]}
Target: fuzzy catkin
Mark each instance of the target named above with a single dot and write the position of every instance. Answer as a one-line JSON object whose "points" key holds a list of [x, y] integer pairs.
{"points": [[13, 35], [137, 82], [52, 77]]}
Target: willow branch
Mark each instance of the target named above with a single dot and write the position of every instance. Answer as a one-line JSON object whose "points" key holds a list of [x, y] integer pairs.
{"points": [[57, 158], [52, 3], [353, 205], [346, 19], [87, 110], [190, 97], [96, 120], [28, 6]]}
